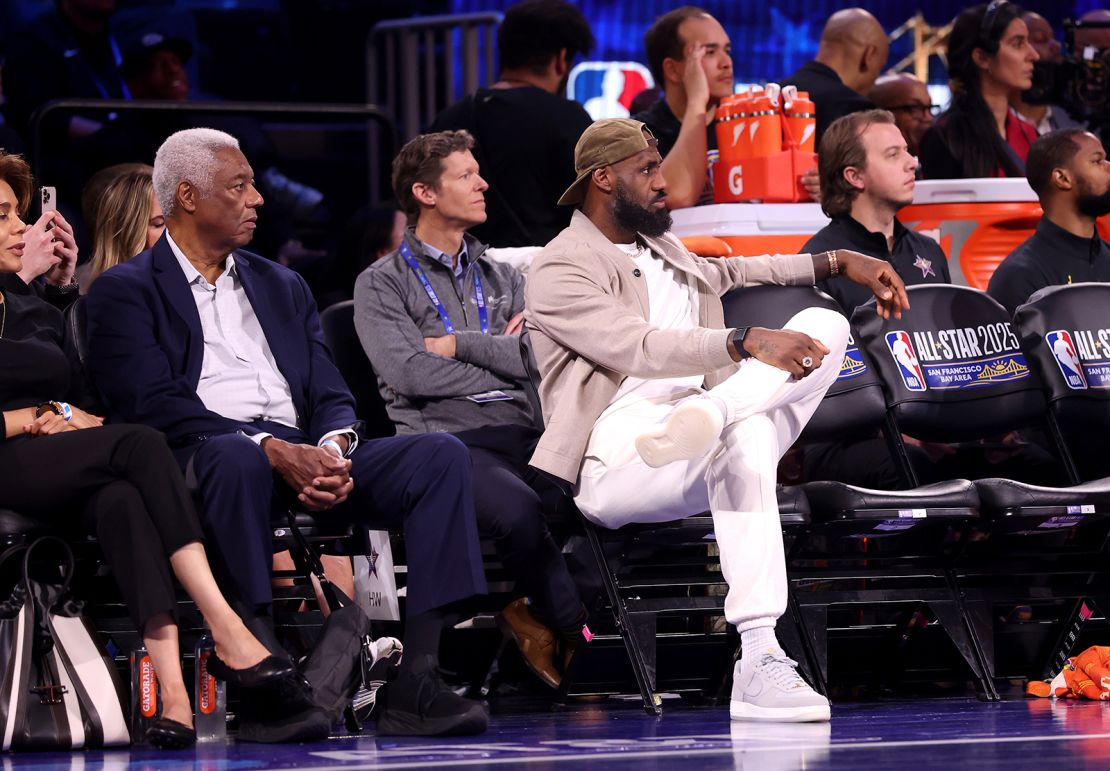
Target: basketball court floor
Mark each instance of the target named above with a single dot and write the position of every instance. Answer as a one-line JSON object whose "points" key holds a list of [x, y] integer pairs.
{"points": [[946, 733]]}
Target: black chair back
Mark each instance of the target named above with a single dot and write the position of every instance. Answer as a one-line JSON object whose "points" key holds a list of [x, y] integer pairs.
{"points": [[1065, 333], [338, 323], [951, 366], [854, 405]]}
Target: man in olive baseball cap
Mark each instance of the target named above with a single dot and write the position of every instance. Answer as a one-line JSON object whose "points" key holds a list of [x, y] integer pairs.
{"points": [[620, 187], [655, 410], [604, 143]]}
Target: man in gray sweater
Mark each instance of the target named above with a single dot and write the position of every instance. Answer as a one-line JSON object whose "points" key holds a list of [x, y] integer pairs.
{"points": [[439, 322]]}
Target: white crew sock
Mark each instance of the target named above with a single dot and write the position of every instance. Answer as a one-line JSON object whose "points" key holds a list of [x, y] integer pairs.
{"points": [[757, 640]]}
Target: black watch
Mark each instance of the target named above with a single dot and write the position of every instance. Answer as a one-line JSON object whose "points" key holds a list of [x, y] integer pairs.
{"points": [[737, 340]]}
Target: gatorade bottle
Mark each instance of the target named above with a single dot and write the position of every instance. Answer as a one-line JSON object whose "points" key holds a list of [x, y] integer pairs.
{"points": [[743, 144], [210, 695], [801, 118], [764, 128], [726, 120], [146, 701]]}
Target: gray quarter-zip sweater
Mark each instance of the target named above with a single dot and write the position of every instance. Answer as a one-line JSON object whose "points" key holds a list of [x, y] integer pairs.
{"points": [[424, 391]]}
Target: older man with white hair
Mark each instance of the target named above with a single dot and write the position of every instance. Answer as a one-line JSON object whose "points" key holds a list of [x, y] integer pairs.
{"points": [[222, 351]]}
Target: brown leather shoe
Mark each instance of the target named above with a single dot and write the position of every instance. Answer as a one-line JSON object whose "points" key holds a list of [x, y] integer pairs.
{"points": [[539, 645]]}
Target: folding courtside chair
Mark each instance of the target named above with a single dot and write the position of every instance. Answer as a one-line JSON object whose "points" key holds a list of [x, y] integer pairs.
{"points": [[954, 371], [665, 595], [867, 554], [1062, 333]]}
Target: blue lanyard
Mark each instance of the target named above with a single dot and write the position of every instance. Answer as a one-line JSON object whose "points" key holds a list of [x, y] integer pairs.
{"points": [[479, 293], [117, 57]]}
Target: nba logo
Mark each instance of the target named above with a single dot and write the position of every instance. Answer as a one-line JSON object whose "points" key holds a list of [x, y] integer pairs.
{"points": [[901, 349], [606, 89], [1063, 350]]}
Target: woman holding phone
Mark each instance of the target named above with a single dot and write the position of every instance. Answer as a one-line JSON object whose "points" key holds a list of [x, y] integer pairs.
{"points": [[59, 463]]}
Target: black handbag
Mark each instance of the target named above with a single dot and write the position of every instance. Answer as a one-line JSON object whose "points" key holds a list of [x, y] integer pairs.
{"points": [[59, 690]]}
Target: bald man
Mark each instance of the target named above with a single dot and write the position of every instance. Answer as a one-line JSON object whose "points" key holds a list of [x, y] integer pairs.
{"points": [[853, 51], [908, 99]]}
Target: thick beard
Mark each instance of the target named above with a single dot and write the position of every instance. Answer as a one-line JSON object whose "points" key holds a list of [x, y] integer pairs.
{"points": [[1093, 205], [633, 216]]}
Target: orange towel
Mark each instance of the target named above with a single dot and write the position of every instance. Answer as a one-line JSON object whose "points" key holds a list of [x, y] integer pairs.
{"points": [[1086, 676]]}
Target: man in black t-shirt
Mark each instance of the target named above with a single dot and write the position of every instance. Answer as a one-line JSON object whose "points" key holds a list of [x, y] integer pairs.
{"points": [[867, 176], [1069, 172], [525, 129], [690, 57], [852, 53]]}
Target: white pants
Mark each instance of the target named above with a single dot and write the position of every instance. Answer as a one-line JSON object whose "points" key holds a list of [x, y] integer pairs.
{"points": [[766, 411]]}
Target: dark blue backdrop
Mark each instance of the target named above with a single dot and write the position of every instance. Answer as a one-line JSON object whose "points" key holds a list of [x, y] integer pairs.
{"points": [[769, 40]]}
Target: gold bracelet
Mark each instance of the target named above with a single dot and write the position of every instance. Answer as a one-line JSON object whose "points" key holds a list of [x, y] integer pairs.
{"points": [[834, 265]]}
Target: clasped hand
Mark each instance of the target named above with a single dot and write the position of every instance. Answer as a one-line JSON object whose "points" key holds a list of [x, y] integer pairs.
{"points": [[52, 423], [320, 478]]}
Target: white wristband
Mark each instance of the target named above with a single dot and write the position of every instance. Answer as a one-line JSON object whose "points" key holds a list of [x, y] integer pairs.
{"points": [[67, 412], [333, 443]]}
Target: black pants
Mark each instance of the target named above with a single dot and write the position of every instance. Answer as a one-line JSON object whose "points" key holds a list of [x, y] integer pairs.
{"points": [[510, 501], [127, 486]]}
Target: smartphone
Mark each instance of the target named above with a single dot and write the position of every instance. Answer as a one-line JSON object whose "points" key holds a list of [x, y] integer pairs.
{"points": [[49, 198]]}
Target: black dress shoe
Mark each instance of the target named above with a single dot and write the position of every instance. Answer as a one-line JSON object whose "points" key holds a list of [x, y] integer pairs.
{"points": [[166, 734], [265, 673], [423, 705]]}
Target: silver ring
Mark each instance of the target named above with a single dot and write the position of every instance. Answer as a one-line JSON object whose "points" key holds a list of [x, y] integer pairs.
{"points": [[807, 361]]}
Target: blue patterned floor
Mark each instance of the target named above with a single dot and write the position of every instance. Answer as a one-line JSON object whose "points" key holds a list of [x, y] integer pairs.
{"points": [[932, 733]]}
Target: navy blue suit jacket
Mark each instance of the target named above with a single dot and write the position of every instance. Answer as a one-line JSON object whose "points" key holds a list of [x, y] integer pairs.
{"points": [[146, 347]]}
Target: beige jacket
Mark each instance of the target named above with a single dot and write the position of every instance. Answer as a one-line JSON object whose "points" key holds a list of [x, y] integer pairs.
{"points": [[587, 314]]}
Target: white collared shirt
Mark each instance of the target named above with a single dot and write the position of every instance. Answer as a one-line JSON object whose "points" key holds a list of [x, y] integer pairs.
{"points": [[239, 376]]}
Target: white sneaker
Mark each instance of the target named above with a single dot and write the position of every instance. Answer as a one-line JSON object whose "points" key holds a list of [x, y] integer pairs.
{"points": [[689, 432], [771, 689], [381, 657]]}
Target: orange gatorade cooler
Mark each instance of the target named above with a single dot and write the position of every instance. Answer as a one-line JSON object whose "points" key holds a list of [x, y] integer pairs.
{"points": [[800, 117]]}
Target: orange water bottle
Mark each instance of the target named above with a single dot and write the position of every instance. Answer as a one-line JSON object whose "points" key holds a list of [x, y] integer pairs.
{"points": [[744, 107], [764, 127], [729, 126], [800, 116], [146, 696]]}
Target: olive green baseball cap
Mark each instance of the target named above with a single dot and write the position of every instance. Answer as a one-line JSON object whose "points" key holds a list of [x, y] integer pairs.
{"points": [[604, 143]]}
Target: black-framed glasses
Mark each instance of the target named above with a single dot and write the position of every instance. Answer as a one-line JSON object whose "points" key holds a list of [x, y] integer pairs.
{"points": [[989, 17], [918, 111]]}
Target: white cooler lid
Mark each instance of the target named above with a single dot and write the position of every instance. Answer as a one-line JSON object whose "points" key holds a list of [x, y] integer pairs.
{"points": [[973, 191]]}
